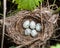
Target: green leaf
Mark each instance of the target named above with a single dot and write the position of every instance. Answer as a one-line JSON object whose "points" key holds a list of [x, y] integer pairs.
{"points": [[13, 1], [58, 46], [27, 4], [52, 47]]}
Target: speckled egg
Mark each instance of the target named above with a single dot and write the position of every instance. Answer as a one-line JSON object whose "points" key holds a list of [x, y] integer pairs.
{"points": [[27, 31], [32, 24], [38, 27], [34, 33], [26, 24]]}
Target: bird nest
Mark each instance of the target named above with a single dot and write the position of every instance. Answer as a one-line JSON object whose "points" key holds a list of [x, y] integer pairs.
{"points": [[15, 30]]}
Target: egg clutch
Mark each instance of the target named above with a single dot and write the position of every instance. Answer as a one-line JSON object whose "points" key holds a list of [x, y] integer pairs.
{"points": [[31, 28]]}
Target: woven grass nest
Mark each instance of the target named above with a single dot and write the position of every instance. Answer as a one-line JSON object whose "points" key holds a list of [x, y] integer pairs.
{"points": [[15, 30]]}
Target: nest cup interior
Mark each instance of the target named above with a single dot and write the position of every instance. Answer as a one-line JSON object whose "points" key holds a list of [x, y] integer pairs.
{"points": [[36, 19]]}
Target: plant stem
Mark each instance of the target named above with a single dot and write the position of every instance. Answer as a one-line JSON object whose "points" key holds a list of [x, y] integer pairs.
{"points": [[57, 11], [54, 1], [4, 15]]}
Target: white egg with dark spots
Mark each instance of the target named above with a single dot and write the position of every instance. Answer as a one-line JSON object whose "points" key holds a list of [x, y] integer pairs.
{"points": [[38, 27], [32, 24], [27, 31], [34, 33], [26, 24]]}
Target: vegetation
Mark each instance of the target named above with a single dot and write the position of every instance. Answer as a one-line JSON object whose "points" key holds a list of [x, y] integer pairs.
{"points": [[57, 46], [27, 4]]}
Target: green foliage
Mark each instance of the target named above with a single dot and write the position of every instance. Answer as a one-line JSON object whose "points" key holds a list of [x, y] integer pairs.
{"points": [[27, 4], [57, 46]]}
